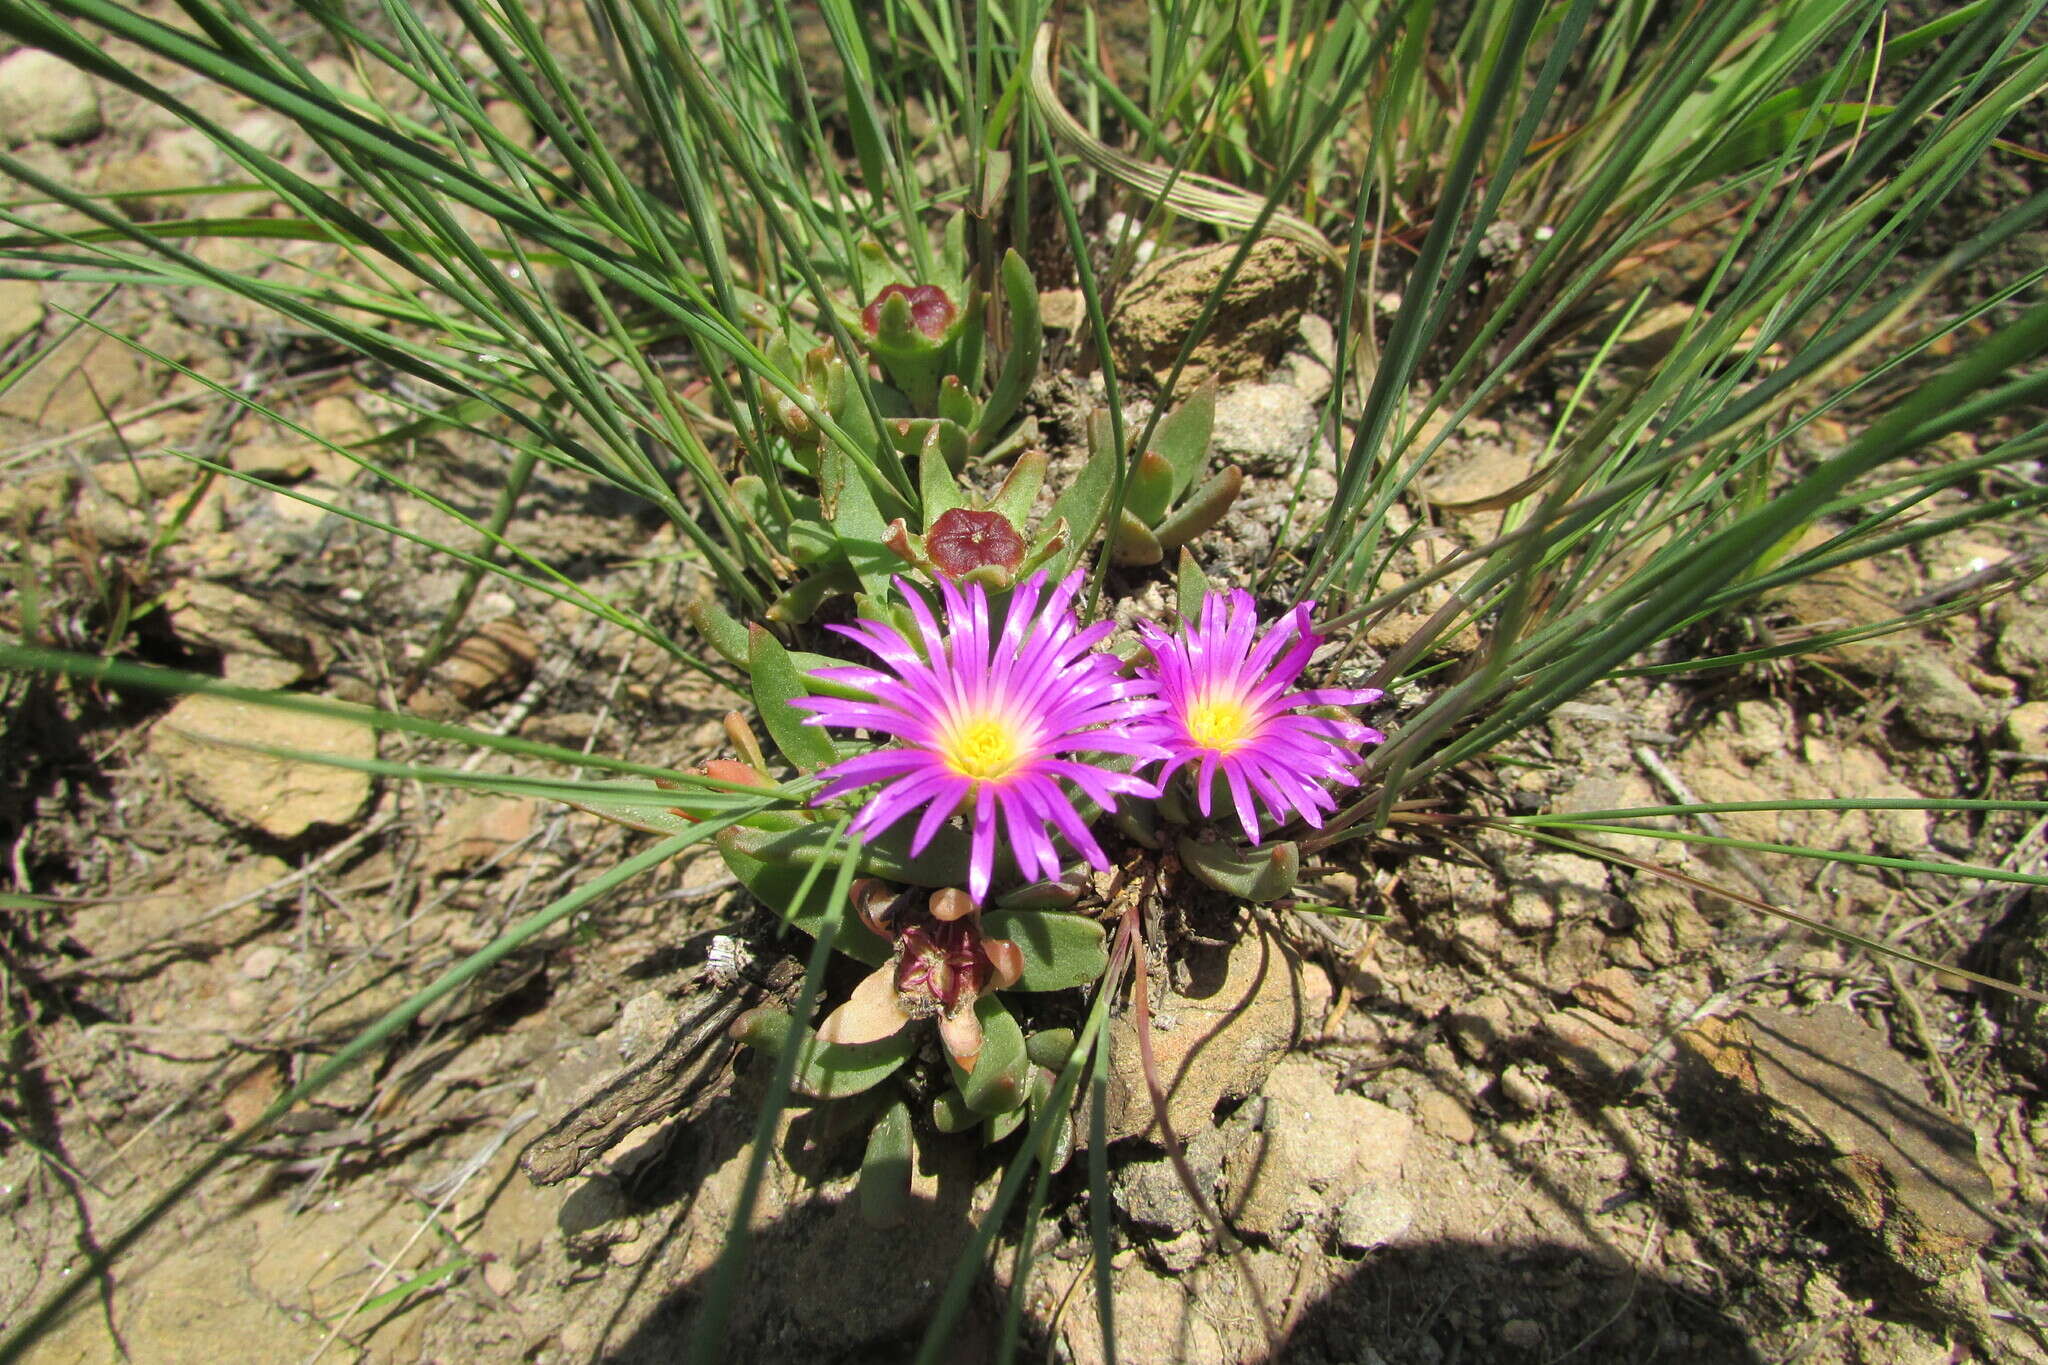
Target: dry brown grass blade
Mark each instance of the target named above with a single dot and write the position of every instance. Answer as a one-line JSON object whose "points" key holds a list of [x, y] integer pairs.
{"points": [[1188, 193]]}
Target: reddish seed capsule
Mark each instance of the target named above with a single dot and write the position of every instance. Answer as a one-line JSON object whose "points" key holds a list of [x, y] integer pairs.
{"points": [[961, 541], [930, 310]]}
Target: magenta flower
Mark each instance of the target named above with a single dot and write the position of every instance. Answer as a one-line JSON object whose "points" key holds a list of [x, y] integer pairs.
{"points": [[989, 725], [1224, 705]]}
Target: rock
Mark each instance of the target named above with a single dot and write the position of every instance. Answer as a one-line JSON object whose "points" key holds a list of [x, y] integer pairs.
{"points": [[1373, 1217], [1614, 993], [1575, 952], [340, 422], [1225, 1035], [259, 644], [199, 741], [596, 1217], [143, 482], [1554, 887], [1312, 1144], [2021, 651], [1935, 701], [1267, 428], [67, 388], [272, 460], [1849, 1117], [479, 829], [1443, 1116], [1521, 1334], [145, 181], [259, 962], [1482, 1028], [1479, 472], [1151, 1197], [44, 96], [1063, 310], [1258, 315], [1668, 925], [21, 310], [511, 121], [1587, 1047], [1523, 1086], [484, 667], [2017, 947], [2026, 729], [1841, 598]]}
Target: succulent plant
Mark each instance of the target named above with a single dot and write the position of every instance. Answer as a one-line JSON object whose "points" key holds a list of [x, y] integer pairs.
{"points": [[1164, 508], [966, 540]]}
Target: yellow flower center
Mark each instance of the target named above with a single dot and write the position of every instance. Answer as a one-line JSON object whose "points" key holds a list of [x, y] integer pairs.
{"points": [[1220, 723], [983, 748]]}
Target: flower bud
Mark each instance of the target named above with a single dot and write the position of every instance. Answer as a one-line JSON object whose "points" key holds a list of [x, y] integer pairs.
{"points": [[931, 312]]}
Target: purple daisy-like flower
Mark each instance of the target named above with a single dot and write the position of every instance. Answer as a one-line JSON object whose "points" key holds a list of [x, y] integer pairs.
{"points": [[1225, 707], [990, 724]]}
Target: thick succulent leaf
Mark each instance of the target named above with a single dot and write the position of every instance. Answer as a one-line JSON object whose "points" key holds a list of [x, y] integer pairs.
{"points": [[1191, 587], [1134, 545], [1050, 1048], [1084, 503], [825, 1071], [1204, 508], [1020, 362], [956, 404], [777, 885], [721, 630], [1019, 492], [829, 1071], [808, 664], [776, 683], [886, 855], [1265, 873], [999, 1126], [1062, 1146], [950, 1113], [885, 1169], [1182, 436], [1001, 1071], [937, 488], [855, 520], [1150, 490], [803, 598], [1061, 950]]}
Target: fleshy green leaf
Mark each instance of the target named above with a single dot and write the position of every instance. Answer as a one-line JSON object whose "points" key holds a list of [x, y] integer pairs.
{"points": [[1001, 1070], [1020, 362], [777, 884], [1020, 489], [1061, 950], [885, 1169], [1182, 436], [718, 628], [856, 521], [1134, 545], [886, 855], [1203, 509], [1260, 874], [776, 683], [832, 1071], [1192, 587], [1150, 490], [1050, 1048], [937, 488], [950, 1113]]}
